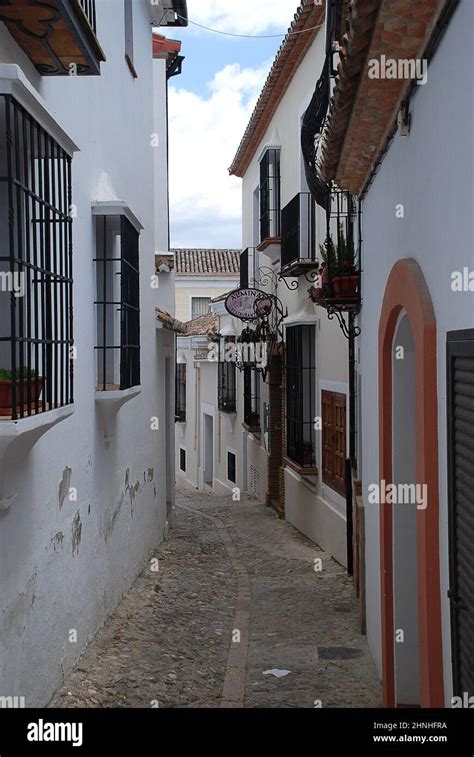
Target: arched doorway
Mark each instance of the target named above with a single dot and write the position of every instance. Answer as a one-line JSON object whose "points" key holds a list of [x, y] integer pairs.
{"points": [[409, 543]]}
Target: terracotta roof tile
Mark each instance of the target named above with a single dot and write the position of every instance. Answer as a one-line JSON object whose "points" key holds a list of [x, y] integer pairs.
{"points": [[202, 326], [292, 51], [169, 321], [363, 111], [207, 262]]}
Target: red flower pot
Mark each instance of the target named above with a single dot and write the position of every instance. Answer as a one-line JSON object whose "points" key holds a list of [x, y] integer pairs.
{"points": [[6, 395], [346, 287]]}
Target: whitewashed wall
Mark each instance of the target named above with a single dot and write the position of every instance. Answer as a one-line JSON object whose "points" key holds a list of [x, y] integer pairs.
{"points": [[429, 172], [316, 510], [65, 564]]}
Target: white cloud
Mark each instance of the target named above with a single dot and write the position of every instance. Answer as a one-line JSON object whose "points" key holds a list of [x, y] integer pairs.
{"points": [[204, 135], [244, 16]]}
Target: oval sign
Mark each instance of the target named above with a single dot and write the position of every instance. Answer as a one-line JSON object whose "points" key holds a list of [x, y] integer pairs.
{"points": [[248, 304]]}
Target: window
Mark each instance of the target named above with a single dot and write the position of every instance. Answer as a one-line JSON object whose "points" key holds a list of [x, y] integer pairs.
{"points": [[180, 404], [118, 304], [36, 333], [248, 267], [200, 306], [251, 398], [231, 462], [460, 406], [128, 14], [182, 460], [270, 194], [298, 225], [300, 388], [226, 379], [334, 440]]}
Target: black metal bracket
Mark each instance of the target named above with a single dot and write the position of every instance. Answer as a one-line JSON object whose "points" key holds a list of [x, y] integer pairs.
{"points": [[349, 328], [293, 286]]}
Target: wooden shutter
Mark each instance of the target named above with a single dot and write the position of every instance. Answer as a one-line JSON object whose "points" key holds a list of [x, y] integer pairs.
{"points": [[333, 407], [460, 397]]}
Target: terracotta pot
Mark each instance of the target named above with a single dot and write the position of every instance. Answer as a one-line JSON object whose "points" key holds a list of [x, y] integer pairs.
{"points": [[6, 395], [346, 287]]}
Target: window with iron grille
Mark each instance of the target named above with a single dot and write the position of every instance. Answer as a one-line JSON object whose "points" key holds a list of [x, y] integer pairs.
{"points": [[270, 194], [298, 227], [300, 389], [226, 378], [200, 306], [182, 460], [36, 328], [231, 467], [180, 404], [118, 304], [333, 405], [251, 397]]}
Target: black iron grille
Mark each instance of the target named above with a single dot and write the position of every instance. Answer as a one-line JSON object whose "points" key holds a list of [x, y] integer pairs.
{"points": [[180, 394], [251, 397], [226, 393], [118, 305], [270, 203], [300, 388], [36, 328], [298, 222], [88, 6]]}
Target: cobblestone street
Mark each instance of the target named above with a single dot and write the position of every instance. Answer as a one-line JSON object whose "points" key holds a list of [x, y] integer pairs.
{"points": [[236, 596]]}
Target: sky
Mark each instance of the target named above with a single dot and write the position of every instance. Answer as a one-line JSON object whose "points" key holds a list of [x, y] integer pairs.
{"points": [[209, 107]]}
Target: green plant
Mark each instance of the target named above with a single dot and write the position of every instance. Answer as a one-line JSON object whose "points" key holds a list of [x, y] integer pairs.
{"points": [[338, 259], [7, 375]]}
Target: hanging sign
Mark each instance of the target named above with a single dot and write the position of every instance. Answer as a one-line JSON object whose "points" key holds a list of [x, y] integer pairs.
{"points": [[248, 304]]}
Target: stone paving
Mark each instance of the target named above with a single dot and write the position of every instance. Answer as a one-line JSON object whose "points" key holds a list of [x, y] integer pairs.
{"points": [[236, 595]]}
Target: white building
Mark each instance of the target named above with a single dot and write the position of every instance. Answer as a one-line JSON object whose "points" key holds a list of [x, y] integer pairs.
{"points": [[295, 450], [209, 394], [398, 136], [200, 276], [86, 462]]}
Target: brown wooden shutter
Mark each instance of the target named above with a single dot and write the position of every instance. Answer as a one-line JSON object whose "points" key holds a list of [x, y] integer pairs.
{"points": [[334, 440]]}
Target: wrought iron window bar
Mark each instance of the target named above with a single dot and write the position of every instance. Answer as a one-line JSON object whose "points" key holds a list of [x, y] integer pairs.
{"points": [[251, 398], [88, 8], [180, 392], [226, 379], [298, 235], [300, 393], [118, 305], [36, 322], [270, 194]]}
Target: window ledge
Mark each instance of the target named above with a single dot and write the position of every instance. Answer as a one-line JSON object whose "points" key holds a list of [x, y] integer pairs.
{"points": [[14, 82], [109, 403], [271, 247], [24, 433], [299, 468], [252, 429]]}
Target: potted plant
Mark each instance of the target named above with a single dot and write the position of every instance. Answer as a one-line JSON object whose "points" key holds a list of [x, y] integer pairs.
{"points": [[32, 388], [345, 279]]}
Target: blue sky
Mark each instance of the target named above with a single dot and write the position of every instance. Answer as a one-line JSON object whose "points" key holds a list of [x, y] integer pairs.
{"points": [[210, 105]]}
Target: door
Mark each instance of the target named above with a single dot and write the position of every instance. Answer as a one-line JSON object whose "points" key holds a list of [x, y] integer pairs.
{"points": [[208, 475], [333, 406], [460, 398]]}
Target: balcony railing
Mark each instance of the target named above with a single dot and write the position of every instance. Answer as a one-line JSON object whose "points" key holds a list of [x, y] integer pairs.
{"points": [[88, 6], [60, 37], [298, 235]]}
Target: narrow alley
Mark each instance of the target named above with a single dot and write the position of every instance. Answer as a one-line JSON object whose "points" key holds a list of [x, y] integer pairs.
{"points": [[236, 595]]}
